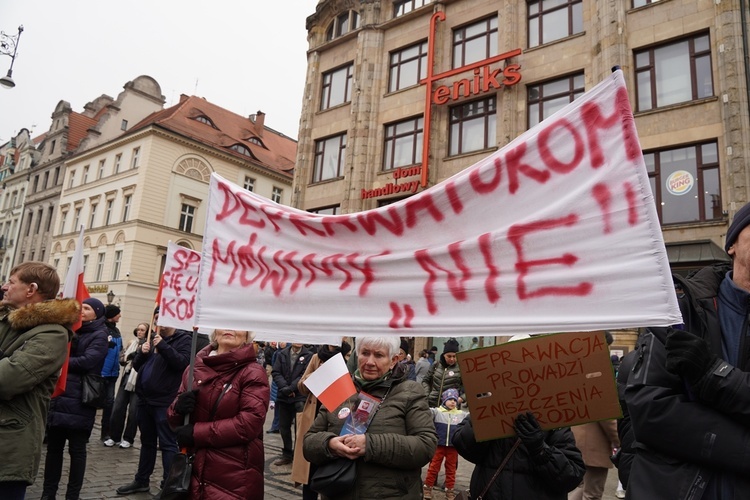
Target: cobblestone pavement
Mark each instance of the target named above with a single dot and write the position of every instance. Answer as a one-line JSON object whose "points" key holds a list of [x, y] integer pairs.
{"points": [[109, 468]]}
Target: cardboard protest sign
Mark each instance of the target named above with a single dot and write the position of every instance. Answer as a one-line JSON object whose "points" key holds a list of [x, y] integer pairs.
{"points": [[557, 231], [563, 379]]}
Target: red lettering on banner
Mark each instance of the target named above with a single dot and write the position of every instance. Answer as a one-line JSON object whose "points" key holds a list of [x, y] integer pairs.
{"points": [[594, 121], [454, 283], [232, 203], [185, 258], [603, 197], [547, 153], [479, 185], [372, 218], [515, 165], [631, 198], [396, 316], [301, 223], [516, 235], [332, 221], [485, 246], [453, 197], [418, 204]]}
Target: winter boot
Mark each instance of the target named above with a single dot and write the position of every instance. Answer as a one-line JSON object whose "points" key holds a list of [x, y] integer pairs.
{"points": [[426, 491]]}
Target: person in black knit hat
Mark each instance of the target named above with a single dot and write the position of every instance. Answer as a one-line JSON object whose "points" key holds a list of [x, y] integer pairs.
{"points": [[444, 374], [111, 369], [687, 392]]}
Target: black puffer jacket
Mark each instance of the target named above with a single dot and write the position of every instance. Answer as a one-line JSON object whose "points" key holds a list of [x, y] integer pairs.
{"points": [[160, 372], [550, 477], [698, 437], [87, 353]]}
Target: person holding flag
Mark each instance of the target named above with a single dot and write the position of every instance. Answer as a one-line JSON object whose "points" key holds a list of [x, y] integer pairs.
{"points": [[225, 414], [34, 336]]}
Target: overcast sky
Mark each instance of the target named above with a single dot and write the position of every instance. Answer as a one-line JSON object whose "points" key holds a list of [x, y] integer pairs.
{"points": [[243, 55]]}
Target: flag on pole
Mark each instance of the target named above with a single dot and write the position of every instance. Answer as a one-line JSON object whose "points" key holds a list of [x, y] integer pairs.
{"points": [[331, 383], [73, 288], [157, 303]]}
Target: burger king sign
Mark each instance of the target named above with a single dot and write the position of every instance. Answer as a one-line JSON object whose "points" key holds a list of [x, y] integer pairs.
{"points": [[680, 182]]}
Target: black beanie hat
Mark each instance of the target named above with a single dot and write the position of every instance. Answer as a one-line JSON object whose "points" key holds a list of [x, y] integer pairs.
{"points": [[111, 311], [740, 222], [451, 346], [405, 346], [96, 305]]}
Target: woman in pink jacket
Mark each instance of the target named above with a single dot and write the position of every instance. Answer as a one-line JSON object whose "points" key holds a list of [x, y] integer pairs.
{"points": [[226, 412]]}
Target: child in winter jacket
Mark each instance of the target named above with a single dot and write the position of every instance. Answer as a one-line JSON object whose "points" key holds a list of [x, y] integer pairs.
{"points": [[446, 417]]}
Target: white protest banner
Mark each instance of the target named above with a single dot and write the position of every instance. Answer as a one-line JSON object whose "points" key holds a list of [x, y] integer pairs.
{"points": [[555, 232], [179, 287]]}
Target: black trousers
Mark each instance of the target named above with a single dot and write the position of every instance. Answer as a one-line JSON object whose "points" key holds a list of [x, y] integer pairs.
{"points": [[124, 414], [77, 439]]}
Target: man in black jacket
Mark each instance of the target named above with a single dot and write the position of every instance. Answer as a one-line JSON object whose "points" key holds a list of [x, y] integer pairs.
{"points": [[688, 395], [160, 364], [288, 368]]}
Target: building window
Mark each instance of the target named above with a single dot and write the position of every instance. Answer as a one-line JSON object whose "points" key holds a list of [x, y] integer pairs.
{"points": [[50, 212], [673, 73], [118, 160], [329, 158], [551, 20], [57, 175], [641, 3], [403, 143], [29, 217], [206, 121], [92, 215], [473, 126], [135, 157], [126, 207], [187, 215], [63, 220], [100, 172], [337, 87], [116, 265], [343, 24], [85, 178], [71, 179], [76, 218], [99, 266], [276, 194], [249, 183], [36, 184], [685, 183], [39, 217], [475, 42], [544, 99], [242, 150], [124, 125], [333, 210], [68, 262], [255, 140], [52, 147], [108, 212], [407, 67], [405, 6]]}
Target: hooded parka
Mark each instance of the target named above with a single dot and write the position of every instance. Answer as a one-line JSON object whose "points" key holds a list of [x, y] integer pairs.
{"points": [[33, 344]]}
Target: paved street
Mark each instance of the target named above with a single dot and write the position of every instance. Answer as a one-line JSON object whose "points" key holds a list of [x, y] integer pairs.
{"points": [[109, 468]]}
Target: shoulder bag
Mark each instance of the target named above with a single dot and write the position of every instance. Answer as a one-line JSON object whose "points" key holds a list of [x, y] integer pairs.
{"points": [[93, 391], [465, 495]]}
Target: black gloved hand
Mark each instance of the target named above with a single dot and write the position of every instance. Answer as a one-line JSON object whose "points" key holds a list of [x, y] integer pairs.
{"points": [[532, 436], [186, 402], [688, 355], [286, 391], [185, 437]]}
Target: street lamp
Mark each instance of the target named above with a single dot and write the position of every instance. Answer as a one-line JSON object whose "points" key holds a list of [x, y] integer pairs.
{"points": [[110, 297], [8, 47]]}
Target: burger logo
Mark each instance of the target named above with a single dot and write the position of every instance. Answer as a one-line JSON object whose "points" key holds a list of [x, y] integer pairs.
{"points": [[680, 182]]}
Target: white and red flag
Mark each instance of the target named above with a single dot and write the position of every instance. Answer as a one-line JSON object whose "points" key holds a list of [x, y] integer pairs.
{"points": [[73, 288], [331, 383]]}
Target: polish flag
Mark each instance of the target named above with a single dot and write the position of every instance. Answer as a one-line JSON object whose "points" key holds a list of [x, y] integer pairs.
{"points": [[331, 383], [74, 288]]}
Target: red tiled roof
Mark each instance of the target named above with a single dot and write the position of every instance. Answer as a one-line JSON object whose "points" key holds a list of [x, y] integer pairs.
{"points": [[38, 139], [278, 154], [78, 126]]}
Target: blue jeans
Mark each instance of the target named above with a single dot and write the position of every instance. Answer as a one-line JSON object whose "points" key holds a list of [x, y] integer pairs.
{"points": [[152, 421]]}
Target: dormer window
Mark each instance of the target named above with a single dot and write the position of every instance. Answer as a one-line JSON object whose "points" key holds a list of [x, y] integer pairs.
{"points": [[206, 120], [255, 140], [343, 24], [242, 150]]}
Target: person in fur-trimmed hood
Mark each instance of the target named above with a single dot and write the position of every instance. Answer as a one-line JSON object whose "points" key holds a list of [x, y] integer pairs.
{"points": [[34, 336]]}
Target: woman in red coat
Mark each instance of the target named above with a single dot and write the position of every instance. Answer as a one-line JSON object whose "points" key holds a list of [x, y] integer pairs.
{"points": [[227, 410]]}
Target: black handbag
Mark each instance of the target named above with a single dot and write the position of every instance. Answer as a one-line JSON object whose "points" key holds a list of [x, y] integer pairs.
{"points": [[93, 391], [177, 484], [334, 478]]}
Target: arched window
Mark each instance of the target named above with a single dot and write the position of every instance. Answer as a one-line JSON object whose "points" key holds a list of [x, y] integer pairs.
{"points": [[343, 24]]}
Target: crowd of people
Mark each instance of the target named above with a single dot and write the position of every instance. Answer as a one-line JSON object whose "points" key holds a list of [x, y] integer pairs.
{"points": [[681, 391]]}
